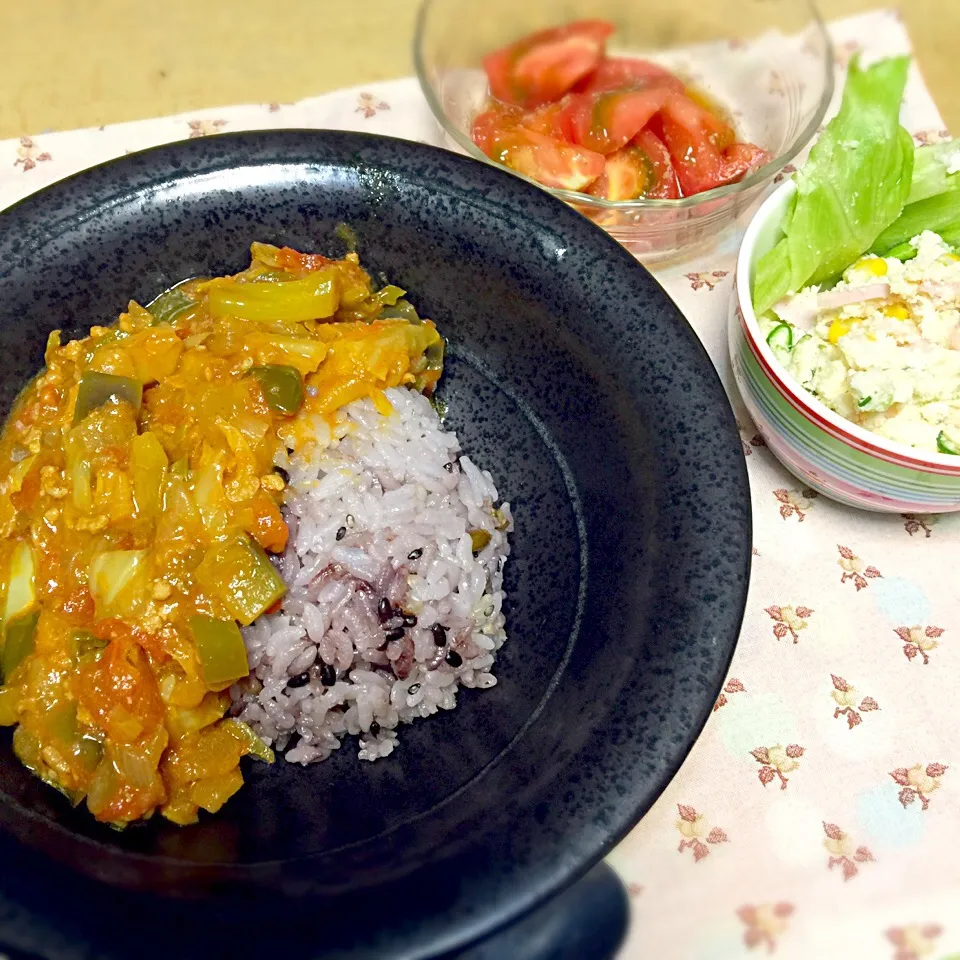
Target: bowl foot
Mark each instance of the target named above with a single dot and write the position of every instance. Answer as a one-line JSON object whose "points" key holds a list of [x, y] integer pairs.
{"points": [[588, 921]]}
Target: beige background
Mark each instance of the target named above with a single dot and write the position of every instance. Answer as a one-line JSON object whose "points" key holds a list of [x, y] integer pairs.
{"points": [[68, 63]]}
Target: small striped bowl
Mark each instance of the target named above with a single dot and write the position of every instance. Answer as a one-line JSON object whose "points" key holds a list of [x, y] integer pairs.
{"points": [[830, 454]]}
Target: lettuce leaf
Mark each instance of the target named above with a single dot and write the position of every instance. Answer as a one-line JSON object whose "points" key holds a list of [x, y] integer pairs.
{"points": [[930, 165], [935, 213], [933, 204], [853, 186]]}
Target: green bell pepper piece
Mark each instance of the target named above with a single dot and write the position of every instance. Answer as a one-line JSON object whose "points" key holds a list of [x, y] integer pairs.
{"points": [[223, 657], [97, 388], [239, 576], [18, 642], [282, 387]]}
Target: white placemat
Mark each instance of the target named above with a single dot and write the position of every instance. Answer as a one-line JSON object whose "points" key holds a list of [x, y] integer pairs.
{"points": [[818, 815]]}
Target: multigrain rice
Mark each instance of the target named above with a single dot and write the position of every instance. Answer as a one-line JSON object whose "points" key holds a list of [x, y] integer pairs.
{"points": [[394, 571]]}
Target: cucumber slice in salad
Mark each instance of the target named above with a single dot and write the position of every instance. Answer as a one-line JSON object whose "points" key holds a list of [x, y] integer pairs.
{"points": [[947, 444], [781, 337]]}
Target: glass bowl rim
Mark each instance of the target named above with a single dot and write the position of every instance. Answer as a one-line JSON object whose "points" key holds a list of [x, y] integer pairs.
{"points": [[757, 178]]}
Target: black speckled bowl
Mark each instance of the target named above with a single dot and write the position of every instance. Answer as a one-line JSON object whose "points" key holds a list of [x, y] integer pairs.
{"points": [[576, 381]]}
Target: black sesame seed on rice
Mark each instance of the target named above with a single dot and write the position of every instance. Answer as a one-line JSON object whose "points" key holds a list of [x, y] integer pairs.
{"points": [[282, 474], [328, 675], [391, 590]]}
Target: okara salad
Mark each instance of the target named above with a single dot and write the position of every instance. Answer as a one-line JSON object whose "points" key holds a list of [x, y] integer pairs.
{"points": [[860, 301], [232, 523], [565, 114]]}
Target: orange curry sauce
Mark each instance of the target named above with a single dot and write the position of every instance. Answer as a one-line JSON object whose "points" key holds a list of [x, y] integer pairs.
{"points": [[138, 506]]}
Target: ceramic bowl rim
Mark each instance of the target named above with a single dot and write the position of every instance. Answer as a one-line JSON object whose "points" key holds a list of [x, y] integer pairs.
{"points": [[812, 409], [136, 172]]}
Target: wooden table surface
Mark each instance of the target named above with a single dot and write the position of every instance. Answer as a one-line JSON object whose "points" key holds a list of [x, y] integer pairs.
{"points": [[67, 64]]}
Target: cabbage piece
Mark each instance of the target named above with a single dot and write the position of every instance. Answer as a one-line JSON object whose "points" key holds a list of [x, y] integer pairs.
{"points": [[21, 593], [117, 580], [148, 465]]}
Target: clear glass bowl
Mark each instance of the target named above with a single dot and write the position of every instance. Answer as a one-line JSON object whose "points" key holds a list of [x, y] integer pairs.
{"points": [[771, 69]]}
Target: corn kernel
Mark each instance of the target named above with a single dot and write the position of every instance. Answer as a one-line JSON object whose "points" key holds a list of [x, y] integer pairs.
{"points": [[838, 329], [897, 311], [874, 265]]}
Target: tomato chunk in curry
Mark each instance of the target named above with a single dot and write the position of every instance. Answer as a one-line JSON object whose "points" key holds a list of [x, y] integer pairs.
{"points": [[141, 480]]}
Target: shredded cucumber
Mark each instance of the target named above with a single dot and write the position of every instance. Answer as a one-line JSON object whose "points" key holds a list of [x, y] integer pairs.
{"points": [[946, 445], [781, 337]]}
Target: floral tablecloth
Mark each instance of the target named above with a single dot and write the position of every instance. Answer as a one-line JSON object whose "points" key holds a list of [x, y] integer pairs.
{"points": [[818, 815]]}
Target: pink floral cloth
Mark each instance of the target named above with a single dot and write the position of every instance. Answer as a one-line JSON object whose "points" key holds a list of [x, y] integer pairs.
{"points": [[818, 816]]}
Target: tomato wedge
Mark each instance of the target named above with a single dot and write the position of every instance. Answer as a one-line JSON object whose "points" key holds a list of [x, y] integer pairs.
{"points": [[696, 160], [568, 116], [625, 176], [740, 158], [616, 73], [545, 65], [549, 161], [492, 122], [720, 132], [606, 122], [552, 119], [663, 183]]}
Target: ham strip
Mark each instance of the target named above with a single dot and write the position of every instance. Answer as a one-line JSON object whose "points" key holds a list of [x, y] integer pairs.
{"points": [[833, 299]]}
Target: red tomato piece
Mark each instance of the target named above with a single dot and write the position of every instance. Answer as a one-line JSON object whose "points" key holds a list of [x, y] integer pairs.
{"points": [[552, 119], [493, 121], [549, 161], [663, 184], [740, 158], [696, 160], [295, 262], [625, 175], [616, 73], [718, 130], [605, 122], [545, 65]]}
